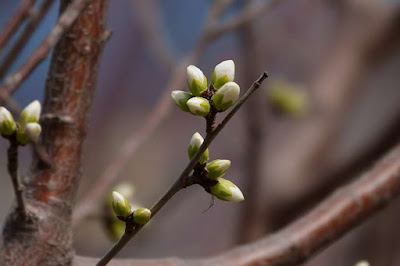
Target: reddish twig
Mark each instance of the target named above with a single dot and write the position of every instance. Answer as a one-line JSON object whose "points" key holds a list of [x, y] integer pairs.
{"points": [[63, 24], [16, 21]]}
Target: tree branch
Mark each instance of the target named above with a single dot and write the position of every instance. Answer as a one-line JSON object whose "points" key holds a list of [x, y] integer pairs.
{"points": [[163, 106], [35, 18], [331, 219], [15, 22], [181, 181], [41, 52]]}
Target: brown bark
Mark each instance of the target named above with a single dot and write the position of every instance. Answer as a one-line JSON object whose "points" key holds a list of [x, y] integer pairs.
{"points": [[46, 237]]}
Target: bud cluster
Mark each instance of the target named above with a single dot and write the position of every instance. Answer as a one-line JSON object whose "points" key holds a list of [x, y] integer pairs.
{"points": [[220, 95], [123, 210], [215, 170], [27, 128]]}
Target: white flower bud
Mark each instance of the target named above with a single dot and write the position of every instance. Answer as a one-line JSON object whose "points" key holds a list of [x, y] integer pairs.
{"points": [[120, 204], [198, 106], [226, 96], [30, 114], [223, 72], [7, 123], [226, 190], [217, 168], [141, 216], [181, 98], [33, 131], [194, 145], [197, 82]]}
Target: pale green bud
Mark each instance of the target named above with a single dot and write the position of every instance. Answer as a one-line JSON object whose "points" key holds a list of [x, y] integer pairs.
{"points": [[194, 146], [226, 190], [199, 106], [197, 82], [7, 123], [30, 114], [288, 97], [181, 98], [217, 168], [226, 96], [121, 206], [141, 216], [223, 72], [33, 131]]}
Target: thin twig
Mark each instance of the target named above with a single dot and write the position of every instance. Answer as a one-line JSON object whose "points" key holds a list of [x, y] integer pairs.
{"points": [[180, 182], [35, 18], [41, 52], [15, 22], [163, 106], [12, 165]]}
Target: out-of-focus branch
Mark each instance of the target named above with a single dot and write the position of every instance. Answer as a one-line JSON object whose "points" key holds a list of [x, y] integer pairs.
{"points": [[12, 165], [64, 23], [180, 183], [163, 106], [18, 18], [331, 219], [34, 20]]}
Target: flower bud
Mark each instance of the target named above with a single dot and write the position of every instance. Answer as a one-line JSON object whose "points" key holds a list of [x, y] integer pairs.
{"points": [[7, 123], [120, 204], [197, 82], [30, 114], [223, 72], [226, 96], [217, 168], [226, 190], [194, 146], [141, 216], [33, 131], [288, 98], [181, 98], [199, 106]]}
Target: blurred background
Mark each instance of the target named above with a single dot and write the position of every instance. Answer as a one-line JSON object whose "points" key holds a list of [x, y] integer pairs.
{"points": [[330, 108]]}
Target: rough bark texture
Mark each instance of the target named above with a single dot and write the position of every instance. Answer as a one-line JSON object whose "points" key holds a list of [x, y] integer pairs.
{"points": [[46, 237]]}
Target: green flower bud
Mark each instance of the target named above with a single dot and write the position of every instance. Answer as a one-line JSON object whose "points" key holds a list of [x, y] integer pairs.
{"points": [[141, 216], [226, 190], [121, 206], [197, 82], [22, 137], [30, 114], [199, 106], [33, 131], [217, 168], [288, 98], [181, 98], [226, 96], [7, 123], [194, 146], [223, 72]]}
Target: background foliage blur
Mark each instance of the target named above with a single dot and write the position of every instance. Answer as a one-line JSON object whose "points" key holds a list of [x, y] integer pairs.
{"points": [[342, 59]]}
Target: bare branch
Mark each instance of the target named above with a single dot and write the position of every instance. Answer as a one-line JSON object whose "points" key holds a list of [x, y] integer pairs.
{"points": [[15, 22], [181, 181], [35, 18], [41, 52]]}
